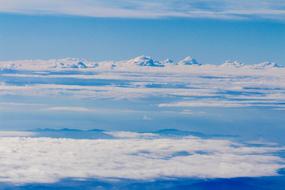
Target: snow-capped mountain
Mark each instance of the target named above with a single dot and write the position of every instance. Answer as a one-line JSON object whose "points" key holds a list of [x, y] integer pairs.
{"points": [[265, 65], [144, 61], [71, 63], [148, 63], [233, 64], [168, 62], [52, 64], [189, 61]]}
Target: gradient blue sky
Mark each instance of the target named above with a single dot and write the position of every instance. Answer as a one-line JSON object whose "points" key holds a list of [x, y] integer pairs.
{"points": [[211, 31]]}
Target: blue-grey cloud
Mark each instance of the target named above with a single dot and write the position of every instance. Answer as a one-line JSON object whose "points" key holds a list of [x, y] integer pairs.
{"points": [[220, 9]]}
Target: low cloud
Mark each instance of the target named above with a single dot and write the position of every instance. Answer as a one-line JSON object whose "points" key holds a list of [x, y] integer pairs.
{"points": [[132, 156]]}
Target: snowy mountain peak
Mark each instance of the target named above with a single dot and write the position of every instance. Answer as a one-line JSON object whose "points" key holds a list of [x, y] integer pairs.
{"points": [[235, 64], [132, 64], [145, 61], [168, 62], [266, 65], [72, 63], [189, 61], [79, 64]]}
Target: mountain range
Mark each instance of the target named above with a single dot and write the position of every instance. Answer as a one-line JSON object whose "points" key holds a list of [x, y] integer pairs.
{"points": [[137, 62]]}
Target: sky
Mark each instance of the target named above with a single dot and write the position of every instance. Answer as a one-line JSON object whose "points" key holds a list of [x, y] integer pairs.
{"points": [[135, 123], [210, 31]]}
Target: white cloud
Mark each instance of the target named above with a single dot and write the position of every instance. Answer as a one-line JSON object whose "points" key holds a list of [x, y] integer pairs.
{"points": [[28, 160], [204, 103], [192, 113], [225, 9], [70, 109], [266, 103]]}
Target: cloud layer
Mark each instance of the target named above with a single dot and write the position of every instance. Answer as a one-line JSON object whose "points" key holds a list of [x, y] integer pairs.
{"points": [[132, 156], [228, 85], [222, 9]]}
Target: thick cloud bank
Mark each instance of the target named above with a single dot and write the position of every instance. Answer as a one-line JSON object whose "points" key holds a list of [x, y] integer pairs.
{"points": [[132, 156]]}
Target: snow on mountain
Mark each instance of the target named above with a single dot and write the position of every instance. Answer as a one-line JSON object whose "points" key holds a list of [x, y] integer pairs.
{"points": [[71, 63], [168, 62], [51, 64], [265, 65], [105, 65], [189, 61], [233, 64], [143, 61], [135, 64]]}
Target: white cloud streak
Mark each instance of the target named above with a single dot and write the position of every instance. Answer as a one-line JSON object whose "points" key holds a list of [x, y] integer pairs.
{"points": [[70, 109], [221, 9]]}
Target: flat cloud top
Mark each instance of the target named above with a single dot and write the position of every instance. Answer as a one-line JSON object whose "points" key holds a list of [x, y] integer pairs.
{"points": [[36, 160]]}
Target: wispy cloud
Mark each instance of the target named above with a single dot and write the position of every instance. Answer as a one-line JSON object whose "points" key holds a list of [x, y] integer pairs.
{"points": [[221, 9], [71, 109]]}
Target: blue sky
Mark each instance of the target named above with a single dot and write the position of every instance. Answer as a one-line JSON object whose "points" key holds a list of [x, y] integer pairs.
{"points": [[211, 31], [138, 118]]}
